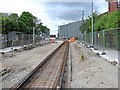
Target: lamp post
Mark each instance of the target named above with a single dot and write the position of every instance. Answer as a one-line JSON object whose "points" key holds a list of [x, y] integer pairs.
{"points": [[34, 21], [33, 35], [92, 24], [83, 14]]}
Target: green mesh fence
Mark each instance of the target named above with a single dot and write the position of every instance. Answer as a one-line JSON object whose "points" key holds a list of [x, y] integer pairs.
{"points": [[104, 39], [19, 40]]}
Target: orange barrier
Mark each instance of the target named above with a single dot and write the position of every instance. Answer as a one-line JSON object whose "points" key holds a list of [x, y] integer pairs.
{"points": [[72, 39]]}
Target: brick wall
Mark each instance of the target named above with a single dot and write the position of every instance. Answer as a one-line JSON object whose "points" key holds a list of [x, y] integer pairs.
{"points": [[112, 6]]}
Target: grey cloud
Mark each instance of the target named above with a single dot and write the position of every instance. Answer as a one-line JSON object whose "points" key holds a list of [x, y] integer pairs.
{"points": [[66, 10], [68, 4]]}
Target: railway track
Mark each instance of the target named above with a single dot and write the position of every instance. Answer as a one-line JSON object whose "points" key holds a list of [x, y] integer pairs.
{"points": [[49, 74]]}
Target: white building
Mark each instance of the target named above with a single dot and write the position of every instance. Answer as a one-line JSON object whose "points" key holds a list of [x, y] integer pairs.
{"points": [[70, 30]]}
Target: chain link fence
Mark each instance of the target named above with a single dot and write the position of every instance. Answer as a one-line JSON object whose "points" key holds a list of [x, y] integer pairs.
{"points": [[108, 38], [21, 40]]}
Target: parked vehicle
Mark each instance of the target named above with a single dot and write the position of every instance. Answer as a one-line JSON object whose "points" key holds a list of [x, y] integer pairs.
{"points": [[52, 39]]}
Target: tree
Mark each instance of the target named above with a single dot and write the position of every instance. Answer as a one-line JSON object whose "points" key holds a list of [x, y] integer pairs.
{"points": [[12, 23], [112, 20], [43, 29], [99, 24], [13, 16], [38, 28], [24, 23], [103, 21], [3, 19], [86, 26], [9, 22], [27, 22]]}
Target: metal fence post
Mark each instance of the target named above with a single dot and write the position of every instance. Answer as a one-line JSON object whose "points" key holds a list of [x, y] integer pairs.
{"points": [[103, 40], [0, 41], [98, 35], [22, 40], [12, 44]]}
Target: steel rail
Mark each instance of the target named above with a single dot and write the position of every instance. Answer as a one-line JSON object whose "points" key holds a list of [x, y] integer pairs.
{"points": [[49, 72]]}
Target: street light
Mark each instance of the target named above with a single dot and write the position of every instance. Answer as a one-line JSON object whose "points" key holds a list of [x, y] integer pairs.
{"points": [[83, 13], [34, 21], [92, 24], [33, 35]]}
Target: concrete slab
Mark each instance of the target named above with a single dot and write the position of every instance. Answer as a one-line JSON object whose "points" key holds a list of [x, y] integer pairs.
{"points": [[17, 47], [110, 55], [6, 50], [10, 49]]}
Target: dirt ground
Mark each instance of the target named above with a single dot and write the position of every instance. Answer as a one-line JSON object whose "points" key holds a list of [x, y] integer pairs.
{"points": [[20, 64], [90, 70]]}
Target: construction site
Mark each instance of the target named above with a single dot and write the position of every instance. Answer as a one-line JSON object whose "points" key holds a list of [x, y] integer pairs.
{"points": [[59, 44], [62, 64]]}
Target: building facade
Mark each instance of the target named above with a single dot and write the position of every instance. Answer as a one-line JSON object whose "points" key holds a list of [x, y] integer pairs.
{"points": [[112, 5], [70, 30]]}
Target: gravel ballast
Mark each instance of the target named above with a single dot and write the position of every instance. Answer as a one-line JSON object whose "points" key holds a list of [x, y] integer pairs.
{"points": [[93, 71]]}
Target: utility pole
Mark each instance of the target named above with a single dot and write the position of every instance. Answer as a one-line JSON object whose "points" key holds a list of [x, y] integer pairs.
{"points": [[83, 22], [92, 23]]}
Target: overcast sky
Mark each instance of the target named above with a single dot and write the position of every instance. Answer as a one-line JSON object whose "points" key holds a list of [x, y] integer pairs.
{"points": [[53, 13]]}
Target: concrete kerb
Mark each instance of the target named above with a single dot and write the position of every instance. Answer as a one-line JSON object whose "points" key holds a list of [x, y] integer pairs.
{"points": [[69, 63], [107, 57]]}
